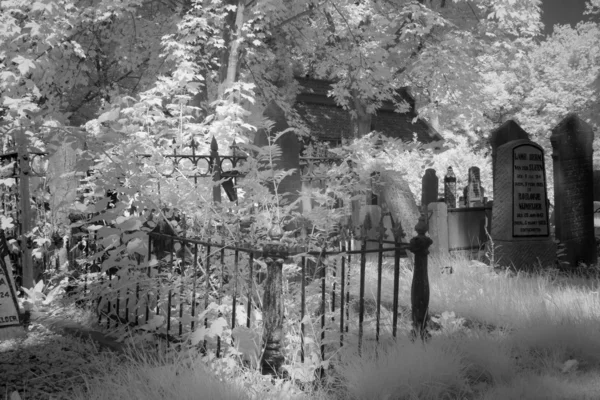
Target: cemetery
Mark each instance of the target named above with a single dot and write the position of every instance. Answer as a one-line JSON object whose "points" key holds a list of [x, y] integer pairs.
{"points": [[299, 200]]}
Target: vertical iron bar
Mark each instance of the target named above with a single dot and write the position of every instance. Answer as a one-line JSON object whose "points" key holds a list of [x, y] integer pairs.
{"points": [[108, 305], [302, 308], [342, 288], [333, 287], [137, 302], [195, 267], [207, 289], [396, 289], [220, 292], [323, 309], [235, 286], [181, 289], [379, 271], [348, 285], [361, 312], [149, 273], [169, 294], [250, 287]]}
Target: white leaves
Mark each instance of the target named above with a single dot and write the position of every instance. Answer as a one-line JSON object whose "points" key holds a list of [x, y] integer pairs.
{"points": [[129, 224], [215, 329], [109, 116], [23, 64], [34, 28], [138, 246], [6, 222]]}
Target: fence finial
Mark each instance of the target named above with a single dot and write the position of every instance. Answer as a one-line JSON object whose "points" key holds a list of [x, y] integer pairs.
{"points": [[421, 226]]}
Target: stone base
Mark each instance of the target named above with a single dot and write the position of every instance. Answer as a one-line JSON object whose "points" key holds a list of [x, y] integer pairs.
{"points": [[524, 254]]}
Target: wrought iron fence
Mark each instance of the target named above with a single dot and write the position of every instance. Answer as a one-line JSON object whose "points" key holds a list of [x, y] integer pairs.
{"points": [[204, 281]]}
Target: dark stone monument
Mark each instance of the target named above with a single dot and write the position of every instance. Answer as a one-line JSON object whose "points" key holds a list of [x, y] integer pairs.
{"points": [[505, 133], [429, 188], [574, 189], [290, 150], [596, 185], [520, 229]]}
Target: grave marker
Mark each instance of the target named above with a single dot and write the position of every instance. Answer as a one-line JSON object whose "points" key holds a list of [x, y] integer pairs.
{"points": [[520, 212], [474, 192], [290, 151], [450, 188], [10, 325], [507, 132], [429, 188], [574, 189]]}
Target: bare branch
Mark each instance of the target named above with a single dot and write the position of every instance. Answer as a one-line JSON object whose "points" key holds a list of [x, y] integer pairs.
{"points": [[299, 15]]}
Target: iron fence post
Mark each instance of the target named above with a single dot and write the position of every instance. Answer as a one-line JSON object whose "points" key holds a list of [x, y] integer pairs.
{"points": [[274, 254], [419, 246]]}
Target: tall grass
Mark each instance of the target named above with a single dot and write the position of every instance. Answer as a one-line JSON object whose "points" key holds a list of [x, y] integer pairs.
{"points": [[521, 332], [493, 298]]}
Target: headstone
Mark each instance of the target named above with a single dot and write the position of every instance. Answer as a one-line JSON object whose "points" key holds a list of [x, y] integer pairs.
{"points": [[429, 188], [438, 228], [474, 192], [10, 324], [450, 188], [399, 200], [290, 150], [507, 132], [520, 230], [574, 189], [596, 185], [597, 218]]}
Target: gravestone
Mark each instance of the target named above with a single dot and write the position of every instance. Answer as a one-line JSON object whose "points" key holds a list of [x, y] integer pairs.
{"points": [[473, 192], [399, 200], [450, 188], [429, 188], [290, 150], [10, 324], [520, 229], [574, 189], [596, 185], [505, 133]]}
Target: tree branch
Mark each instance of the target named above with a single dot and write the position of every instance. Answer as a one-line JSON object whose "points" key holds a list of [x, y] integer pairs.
{"points": [[299, 15]]}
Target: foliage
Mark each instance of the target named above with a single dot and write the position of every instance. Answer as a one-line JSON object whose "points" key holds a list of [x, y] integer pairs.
{"points": [[376, 153]]}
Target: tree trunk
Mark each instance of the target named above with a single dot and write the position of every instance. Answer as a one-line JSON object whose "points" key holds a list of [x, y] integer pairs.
{"points": [[232, 32]]}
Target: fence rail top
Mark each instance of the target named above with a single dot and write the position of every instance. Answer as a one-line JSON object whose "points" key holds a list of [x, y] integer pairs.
{"points": [[294, 250]]}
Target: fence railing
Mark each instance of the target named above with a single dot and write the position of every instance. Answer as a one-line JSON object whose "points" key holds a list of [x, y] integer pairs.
{"points": [[206, 292]]}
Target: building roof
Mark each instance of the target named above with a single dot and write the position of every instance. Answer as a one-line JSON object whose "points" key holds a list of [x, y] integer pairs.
{"points": [[328, 121]]}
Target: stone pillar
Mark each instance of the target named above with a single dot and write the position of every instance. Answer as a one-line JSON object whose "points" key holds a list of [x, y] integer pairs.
{"points": [[450, 188], [274, 255], [419, 294], [474, 192], [574, 189], [520, 229], [429, 188]]}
